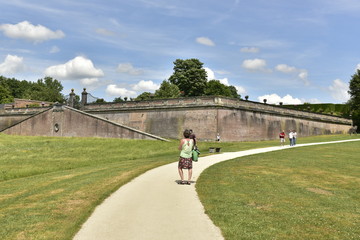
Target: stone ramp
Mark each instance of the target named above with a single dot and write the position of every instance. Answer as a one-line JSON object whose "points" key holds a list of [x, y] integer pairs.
{"points": [[64, 121], [154, 207]]}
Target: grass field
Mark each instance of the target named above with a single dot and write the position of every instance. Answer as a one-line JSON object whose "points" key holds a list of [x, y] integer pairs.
{"points": [[50, 186], [301, 193]]}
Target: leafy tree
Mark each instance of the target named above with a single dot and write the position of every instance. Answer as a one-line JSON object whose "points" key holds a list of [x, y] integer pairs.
{"points": [[354, 102], [167, 90], [47, 89], [100, 100], [5, 95], [234, 92], [190, 77], [118, 99], [144, 96], [215, 87]]}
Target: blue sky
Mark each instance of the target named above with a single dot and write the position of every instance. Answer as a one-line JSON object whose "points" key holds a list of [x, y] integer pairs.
{"points": [[290, 51]]}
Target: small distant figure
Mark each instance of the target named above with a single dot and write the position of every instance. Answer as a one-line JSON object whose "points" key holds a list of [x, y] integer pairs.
{"points": [[282, 138], [291, 138], [218, 137], [294, 137]]}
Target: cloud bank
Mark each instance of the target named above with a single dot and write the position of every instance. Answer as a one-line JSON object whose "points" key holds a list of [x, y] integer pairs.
{"points": [[79, 68], [25, 30]]}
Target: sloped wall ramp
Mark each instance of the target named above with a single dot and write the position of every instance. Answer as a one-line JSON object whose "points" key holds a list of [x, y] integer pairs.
{"points": [[64, 121]]}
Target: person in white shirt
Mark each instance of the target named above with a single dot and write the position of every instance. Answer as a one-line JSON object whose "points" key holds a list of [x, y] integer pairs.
{"points": [[294, 137], [291, 138]]}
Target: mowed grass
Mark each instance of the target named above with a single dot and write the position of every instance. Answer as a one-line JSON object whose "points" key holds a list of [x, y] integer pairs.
{"points": [[300, 193], [50, 186]]}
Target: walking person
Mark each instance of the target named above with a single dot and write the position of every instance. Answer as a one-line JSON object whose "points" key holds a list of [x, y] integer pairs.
{"points": [[294, 137], [218, 137], [185, 161], [282, 138], [291, 138]]}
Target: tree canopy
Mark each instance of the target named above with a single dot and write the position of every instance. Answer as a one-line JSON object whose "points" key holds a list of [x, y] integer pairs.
{"points": [[215, 87], [354, 102], [190, 77], [47, 89], [167, 90]]}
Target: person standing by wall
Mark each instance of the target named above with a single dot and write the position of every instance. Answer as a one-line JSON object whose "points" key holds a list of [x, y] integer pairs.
{"points": [[218, 137], [291, 138], [294, 137], [185, 160], [282, 138]]}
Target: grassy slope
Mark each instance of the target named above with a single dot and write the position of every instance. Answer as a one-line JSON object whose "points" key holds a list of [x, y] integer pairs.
{"points": [[301, 193], [49, 186]]}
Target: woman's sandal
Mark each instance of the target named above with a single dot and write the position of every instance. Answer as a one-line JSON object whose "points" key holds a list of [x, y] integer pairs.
{"points": [[188, 182], [181, 182]]}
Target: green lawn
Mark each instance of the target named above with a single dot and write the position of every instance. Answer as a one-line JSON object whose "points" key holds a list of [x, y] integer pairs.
{"points": [[50, 186], [300, 193]]}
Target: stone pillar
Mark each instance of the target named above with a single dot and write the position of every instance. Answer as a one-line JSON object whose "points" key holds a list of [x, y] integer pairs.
{"points": [[83, 99], [72, 98]]}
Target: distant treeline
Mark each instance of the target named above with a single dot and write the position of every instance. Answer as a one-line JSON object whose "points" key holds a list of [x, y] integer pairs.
{"points": [[47, 89], [342, 110]]}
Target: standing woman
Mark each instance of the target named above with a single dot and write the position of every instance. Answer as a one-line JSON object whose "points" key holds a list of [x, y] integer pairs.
{"points": [[185, 160]]}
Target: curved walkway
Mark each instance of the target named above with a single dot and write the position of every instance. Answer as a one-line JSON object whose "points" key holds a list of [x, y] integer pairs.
{"points": [[154, 207]]}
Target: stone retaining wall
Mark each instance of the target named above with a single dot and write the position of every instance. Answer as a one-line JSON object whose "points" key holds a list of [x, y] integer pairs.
{"points": [[234, 120]]}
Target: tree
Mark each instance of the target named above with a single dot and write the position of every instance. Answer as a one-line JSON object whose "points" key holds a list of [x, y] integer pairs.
{"points": [[167, 90], [118, 99], [5, 95], [47, 89], [144, 96], [215, 87], [234, 92], [354, 102], [190, 77]]}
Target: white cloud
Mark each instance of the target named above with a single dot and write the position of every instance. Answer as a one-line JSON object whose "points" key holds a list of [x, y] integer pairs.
{"points": [[276, 99], [79, 68], [339, 90], [250, 50], [54, 49], [205, 41], [146, 86], [211, 76], [285, 68], [240, 90], [25, 30], [11, 65], [105, 32], [302, 74], [128, 68], [116, 91], [255, 65], [224, 81], [357, 67], [89, 81], [210, 73]]}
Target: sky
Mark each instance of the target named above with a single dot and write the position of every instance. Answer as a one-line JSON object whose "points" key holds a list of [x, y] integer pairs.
{"points": [[284, 51]]}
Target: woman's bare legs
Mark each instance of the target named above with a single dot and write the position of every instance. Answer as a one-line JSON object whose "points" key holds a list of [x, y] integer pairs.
{"points": [[190, 174], [181, 173]]}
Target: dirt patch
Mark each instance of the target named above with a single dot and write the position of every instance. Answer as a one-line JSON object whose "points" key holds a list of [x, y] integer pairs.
{"points": [[320, 191]]}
